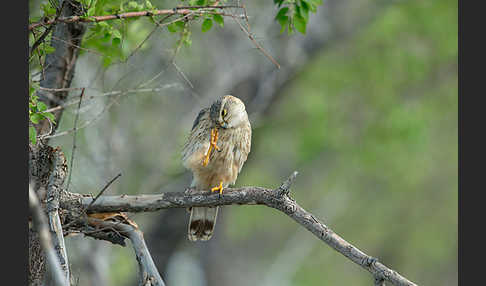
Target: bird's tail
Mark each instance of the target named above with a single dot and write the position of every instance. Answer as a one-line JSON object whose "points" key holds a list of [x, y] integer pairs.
{"points": [[201, 223]]}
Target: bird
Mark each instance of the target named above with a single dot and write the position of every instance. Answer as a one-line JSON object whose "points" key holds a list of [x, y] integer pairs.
{"points": [[215, 151]]}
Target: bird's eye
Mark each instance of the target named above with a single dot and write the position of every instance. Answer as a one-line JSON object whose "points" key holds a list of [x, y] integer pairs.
{"points": [[224, 112]]}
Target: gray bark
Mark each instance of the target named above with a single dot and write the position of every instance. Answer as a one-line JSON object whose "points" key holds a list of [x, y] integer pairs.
{"points": [[58, 73], [148, 273], [40, 222], [47, 170], [60, 65], [58, 174], [278, 199]]}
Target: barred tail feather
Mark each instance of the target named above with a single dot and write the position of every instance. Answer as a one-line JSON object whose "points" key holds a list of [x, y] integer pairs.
{"points": [[201, 223]]}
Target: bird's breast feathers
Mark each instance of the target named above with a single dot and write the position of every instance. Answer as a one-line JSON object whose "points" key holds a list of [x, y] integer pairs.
{"points": [[225, 164]]}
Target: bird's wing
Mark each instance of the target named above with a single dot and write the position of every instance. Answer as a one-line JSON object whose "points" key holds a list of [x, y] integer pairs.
{"points": [[243, 146], [198, 141]]}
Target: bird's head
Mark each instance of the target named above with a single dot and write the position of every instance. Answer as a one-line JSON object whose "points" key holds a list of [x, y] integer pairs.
{"points": [[228, 112]]}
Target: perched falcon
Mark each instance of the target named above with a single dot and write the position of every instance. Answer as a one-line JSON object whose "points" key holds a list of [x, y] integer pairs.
{"points": [[215, 151]]}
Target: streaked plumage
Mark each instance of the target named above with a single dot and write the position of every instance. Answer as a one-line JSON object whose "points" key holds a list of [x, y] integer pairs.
{"points": [[229, 117]]}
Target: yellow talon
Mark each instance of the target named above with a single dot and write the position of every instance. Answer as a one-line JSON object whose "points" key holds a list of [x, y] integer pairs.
{"points": [[218, 188], [212, 144]]}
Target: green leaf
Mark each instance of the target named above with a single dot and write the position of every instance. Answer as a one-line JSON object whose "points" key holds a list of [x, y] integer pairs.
{"points": [[304, 9], [36, 85], [115, 42], [103, 24], [106, 61], [283, 22], [201, 2], [282, 18], [91, 11], [283, 28], [133, 4], [187, 42], [48, 49], [313, 5], [51, 116], [180, 24], [41, 106], [116, 34], [291, 28], [281, 13], [206, 25], [32, 134], [172, 27], [300, 23], [278, 2], [148, 4], [36, 117], [219, 19], [106, 37]]}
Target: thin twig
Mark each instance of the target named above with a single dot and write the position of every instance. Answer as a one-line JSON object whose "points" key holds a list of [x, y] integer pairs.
{"points": [[103, 190], [87, 123], [118, 93], [85, 209], [46, 32], [246, 17], [78, 47], [258, 46], [179, 71], [110, 93], [74, 139], [148, 36], [61, 89]]}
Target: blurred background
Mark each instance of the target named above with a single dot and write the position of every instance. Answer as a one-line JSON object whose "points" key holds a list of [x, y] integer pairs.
{"points": [[364, 107]]}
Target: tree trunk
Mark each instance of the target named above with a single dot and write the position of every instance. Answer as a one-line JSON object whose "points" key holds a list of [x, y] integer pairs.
{"points": [[58, 73], [60, 65]]}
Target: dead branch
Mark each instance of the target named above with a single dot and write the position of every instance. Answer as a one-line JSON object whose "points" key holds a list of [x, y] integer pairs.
{"points": [[40, 222], [73, 150], [258, 46], [275, 198], [56, 180], [149, 275]]}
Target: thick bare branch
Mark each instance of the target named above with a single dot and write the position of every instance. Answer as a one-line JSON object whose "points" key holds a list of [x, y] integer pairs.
{"points": [[149, 275], [277, 199], [56, 180], [40, 221]]}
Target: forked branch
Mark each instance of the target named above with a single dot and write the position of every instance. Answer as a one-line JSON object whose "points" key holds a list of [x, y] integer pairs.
{"points": [[275, 198], [41, 224], [149, 275]]}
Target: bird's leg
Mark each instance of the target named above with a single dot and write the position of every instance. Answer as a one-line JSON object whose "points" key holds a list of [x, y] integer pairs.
{"points": [[218, 188], [212, 144], [214, 138]]}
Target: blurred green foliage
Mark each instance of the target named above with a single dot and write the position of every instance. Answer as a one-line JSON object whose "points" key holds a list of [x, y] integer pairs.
{"points": [[372, 124]]}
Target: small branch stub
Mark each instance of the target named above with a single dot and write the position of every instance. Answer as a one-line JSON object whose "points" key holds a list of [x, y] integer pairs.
{"points": [[284, 188]]}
